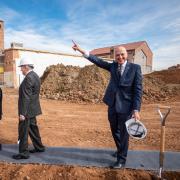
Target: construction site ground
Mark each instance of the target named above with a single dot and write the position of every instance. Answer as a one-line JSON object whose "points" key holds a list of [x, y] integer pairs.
{"points": [[84, 125]]}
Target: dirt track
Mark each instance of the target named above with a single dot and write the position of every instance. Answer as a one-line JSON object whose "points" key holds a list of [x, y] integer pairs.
{"points": [[83, 125]]}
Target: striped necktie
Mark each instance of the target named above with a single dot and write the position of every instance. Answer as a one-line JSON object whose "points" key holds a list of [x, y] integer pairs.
{"points": [[120, 69]]}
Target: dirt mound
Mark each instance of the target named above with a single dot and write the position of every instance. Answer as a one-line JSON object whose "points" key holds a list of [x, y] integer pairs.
{"points": [[75, 84], [57, 81], [88, 84], [45, 172], [162, 85], [168, 76]]}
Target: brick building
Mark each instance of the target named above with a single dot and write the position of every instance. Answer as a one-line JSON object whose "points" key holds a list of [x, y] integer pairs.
{"points": [[1, 52], [41, 60], [138, 52]]}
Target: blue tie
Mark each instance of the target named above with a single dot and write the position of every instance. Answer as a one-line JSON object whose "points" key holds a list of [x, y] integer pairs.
{"points": [[119, 69]]}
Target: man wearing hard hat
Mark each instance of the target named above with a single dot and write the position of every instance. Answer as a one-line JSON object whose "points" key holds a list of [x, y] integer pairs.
{"points": [[28, 108]]}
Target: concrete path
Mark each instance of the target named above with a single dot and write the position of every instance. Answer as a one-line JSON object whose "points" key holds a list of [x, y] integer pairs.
{"points": [[148, 160]]}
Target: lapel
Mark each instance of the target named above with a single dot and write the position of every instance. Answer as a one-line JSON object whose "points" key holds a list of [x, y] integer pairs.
{"points": [[115, 73], [125, 72], [116, 76]]}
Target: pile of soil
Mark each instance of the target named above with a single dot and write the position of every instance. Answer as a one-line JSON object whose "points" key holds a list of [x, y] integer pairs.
{"points": [[75, 84], [54, 172], [168, 76], [162, 85], [88, 84]]}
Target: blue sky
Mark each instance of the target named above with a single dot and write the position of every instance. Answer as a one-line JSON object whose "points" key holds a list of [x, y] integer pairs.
{"points": [[50, 25]]}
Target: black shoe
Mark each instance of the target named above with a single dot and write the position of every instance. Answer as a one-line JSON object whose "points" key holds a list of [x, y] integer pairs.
{"points": [[36, 150], [118, 165], [19, 156]]}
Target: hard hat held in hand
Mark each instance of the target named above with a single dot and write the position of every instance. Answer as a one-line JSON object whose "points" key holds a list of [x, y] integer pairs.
{"points": [[136, 129], [26, 61]]}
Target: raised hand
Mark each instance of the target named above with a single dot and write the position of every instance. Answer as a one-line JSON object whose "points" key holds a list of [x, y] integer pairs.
{"points": [[76, 47]]}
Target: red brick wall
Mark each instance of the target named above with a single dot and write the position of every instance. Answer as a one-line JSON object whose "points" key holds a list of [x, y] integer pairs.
{"points": [[9, 60], [9, 63]]}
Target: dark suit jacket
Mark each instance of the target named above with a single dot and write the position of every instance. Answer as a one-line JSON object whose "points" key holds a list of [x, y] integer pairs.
{"points": [[28, 103], [1, 95], [129, 86]]}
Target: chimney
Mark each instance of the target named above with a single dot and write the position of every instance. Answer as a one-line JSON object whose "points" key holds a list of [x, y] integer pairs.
{"points": [[1, 35]]}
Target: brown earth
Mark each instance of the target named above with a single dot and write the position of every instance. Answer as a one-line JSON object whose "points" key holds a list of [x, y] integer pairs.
{"points": [[162, 85], [74, 84], [84, 125], [88, 84]]}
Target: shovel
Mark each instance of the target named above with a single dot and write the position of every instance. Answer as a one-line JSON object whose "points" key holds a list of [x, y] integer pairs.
{"points": [[163, 116]]}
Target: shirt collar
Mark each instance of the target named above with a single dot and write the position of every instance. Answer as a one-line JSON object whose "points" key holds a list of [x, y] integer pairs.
{"points": [[124, 64]]}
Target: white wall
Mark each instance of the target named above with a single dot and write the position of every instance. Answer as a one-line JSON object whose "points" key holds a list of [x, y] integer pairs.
{"points": [[43, 60], [140, 58]]}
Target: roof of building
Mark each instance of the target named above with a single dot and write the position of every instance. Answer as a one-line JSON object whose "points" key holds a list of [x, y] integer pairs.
{"points": [[128, 46], [43, 51]]}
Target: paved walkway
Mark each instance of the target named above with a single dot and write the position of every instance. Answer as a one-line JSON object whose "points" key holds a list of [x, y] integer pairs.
{"points": [[148, 160]]}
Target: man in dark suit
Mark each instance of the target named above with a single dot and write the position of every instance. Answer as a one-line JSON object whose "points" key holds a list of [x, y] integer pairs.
{"points": [[123, 97], [28, 109], [0, 109]]}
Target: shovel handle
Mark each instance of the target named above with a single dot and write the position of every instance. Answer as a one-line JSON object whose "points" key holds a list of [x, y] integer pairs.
{"points": [[162, 146], [164, 115]]}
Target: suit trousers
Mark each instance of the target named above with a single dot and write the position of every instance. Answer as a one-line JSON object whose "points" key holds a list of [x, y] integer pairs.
{"points": [[119, 132], [29, 126]]}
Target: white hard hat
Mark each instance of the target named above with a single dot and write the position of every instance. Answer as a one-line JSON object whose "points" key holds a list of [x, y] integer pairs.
{"points": [[136, 129], [26, 61]]}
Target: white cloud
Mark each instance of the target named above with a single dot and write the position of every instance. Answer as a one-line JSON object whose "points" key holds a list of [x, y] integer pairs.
{"points": [[7, 14], [93, 24], [166, 56], [32, 39]]}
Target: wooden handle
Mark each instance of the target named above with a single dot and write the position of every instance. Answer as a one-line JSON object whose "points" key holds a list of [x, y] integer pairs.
{"points": [[162, 141], [162, 146]]}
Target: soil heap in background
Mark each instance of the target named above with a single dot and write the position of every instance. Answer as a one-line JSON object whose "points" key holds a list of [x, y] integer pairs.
{"points": [[162, 85], [75, 84], [88, 84]]}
